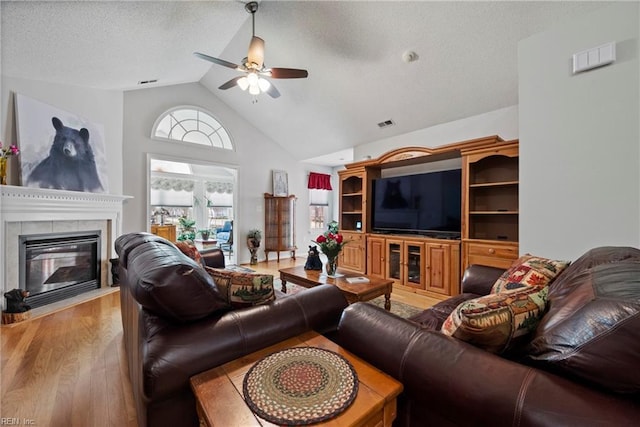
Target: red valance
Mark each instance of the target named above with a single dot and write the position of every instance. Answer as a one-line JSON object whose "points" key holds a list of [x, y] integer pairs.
{"points": [[319, 181]]}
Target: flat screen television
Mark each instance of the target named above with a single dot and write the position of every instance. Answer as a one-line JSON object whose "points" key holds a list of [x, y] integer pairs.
{"points": [[427, 204]]}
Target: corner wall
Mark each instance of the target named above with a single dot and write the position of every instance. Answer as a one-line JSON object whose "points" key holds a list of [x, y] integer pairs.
{"points": [[580, 137], [255, 156]]}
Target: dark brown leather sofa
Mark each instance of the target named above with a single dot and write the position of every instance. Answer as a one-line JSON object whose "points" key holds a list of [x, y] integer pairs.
{"points": [[176, 325], [580, 367]]}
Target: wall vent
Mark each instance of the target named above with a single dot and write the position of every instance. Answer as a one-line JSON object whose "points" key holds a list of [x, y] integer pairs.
{"points": [[386, 123], [146, 82]]}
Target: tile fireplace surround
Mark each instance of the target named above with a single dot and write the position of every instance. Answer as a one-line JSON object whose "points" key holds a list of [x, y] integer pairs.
{"points": [[26, 211]]}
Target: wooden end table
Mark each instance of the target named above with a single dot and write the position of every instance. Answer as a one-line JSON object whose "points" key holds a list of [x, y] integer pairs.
{"points": [[220, 402], [354, 292]]}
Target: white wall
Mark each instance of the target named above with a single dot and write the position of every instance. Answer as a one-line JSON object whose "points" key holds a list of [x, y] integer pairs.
{"points": [[580, 137], [100, 106], [503, 122], [255, 157]]}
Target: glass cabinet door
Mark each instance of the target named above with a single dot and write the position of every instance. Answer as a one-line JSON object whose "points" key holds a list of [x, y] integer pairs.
{"points": [[394, 257], [415, 258]]}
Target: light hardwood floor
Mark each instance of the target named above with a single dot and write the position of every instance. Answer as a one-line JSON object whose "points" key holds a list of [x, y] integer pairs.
{"points": [[68, 368]]}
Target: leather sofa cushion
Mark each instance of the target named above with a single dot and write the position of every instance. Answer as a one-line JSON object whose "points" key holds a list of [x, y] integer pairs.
{"points": [[127, 242], [592, 328], [171, 285]]}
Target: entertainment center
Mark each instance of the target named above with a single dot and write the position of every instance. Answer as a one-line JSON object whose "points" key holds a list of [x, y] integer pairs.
{"points": [[419, 216]]}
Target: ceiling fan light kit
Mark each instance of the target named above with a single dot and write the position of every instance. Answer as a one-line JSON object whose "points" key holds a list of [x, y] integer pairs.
{"points": [[253, 66]]}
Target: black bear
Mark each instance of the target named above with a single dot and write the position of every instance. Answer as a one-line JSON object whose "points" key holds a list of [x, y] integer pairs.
{"points": [[15, 301], [70, 165], [393, 198], [313, 260]]}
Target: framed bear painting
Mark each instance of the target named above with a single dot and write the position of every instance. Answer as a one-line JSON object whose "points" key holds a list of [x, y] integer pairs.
{"points": [[58, 149]]}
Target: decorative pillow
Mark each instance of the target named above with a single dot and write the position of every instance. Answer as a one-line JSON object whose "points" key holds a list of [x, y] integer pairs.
{"points": [[243, 289], [189, 249], [528, 270], [493, 321]]}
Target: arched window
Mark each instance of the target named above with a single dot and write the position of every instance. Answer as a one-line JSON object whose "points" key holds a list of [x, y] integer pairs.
{"points": [[193, 125]]}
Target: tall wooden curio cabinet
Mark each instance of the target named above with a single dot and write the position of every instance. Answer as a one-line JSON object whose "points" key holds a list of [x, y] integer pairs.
{"points": [[279, 225]]}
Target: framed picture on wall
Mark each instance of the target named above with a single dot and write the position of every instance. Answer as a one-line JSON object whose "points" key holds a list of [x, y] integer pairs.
{"points": [[280, 184], [59, 149]]}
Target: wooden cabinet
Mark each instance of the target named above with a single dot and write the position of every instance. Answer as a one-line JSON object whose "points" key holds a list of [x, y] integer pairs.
{"points": [[352, 254], [166, 231], [430, 265], [442, 268], [490, 205], [494, 254], [352, 200], [422, 265], [376, 255], [405, 262], [279, 225]]}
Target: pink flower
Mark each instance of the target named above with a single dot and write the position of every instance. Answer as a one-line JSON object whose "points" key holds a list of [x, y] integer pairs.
{"points": [[10, 151]]}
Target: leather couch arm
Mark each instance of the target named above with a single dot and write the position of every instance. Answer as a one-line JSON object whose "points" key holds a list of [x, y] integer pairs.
{"points": [[449, 382], [213, 257], [478, 279], [172, 353]]}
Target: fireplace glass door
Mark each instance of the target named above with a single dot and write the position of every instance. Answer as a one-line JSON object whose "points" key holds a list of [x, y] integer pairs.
{"points": [[59, 265]]}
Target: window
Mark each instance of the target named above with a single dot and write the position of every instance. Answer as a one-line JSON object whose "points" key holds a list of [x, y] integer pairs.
{"points": [[192, 125], [318, 209]]}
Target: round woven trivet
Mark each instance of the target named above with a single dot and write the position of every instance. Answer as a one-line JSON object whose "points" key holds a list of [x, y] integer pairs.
{"points": [[300, 385]]}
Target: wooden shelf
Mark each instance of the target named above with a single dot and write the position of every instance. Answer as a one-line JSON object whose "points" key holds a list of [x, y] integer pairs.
{"points": [[494, 184], [491, 201], [493, 213]]}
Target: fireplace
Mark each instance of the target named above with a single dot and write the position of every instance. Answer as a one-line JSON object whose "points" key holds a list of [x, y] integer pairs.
{"points": [[27, 211], [56, 266]]}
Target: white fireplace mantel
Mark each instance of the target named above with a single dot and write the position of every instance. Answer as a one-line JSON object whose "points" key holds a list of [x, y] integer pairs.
{"points": [[40, 204], [33, 205]]}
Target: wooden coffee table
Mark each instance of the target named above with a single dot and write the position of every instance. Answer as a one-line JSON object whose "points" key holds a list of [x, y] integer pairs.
{"points": [[220, 402], [354, 292]]}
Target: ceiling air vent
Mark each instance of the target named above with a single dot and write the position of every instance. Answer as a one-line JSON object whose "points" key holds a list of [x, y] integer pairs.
{"points": [[386, 123]]}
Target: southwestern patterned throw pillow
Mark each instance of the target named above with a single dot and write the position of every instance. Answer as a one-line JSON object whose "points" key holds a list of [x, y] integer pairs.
{"points": [[243, 289], [528, 270], [493, 321]]}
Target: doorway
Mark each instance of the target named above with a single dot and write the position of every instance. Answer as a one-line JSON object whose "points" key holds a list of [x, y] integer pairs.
{"points": [[194, 199]]}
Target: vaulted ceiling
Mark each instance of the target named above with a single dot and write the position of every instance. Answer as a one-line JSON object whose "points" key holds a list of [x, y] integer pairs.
{"points": [[467, 57]]}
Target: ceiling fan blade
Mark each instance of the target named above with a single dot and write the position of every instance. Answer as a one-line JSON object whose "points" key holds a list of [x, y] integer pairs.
{"points": [[216, 60], [288, 73], [272, 91], [231, 83], [256, 51]]}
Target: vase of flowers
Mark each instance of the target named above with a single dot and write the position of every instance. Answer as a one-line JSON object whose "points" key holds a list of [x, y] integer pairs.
{"points": [[331, 243], [5, 152]]}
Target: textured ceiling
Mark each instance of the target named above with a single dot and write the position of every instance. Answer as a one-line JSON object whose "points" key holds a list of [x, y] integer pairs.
{"points": [[353, 50]]}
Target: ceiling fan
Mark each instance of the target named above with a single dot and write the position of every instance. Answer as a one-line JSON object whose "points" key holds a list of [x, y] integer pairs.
{"points": [[253, 65]]}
